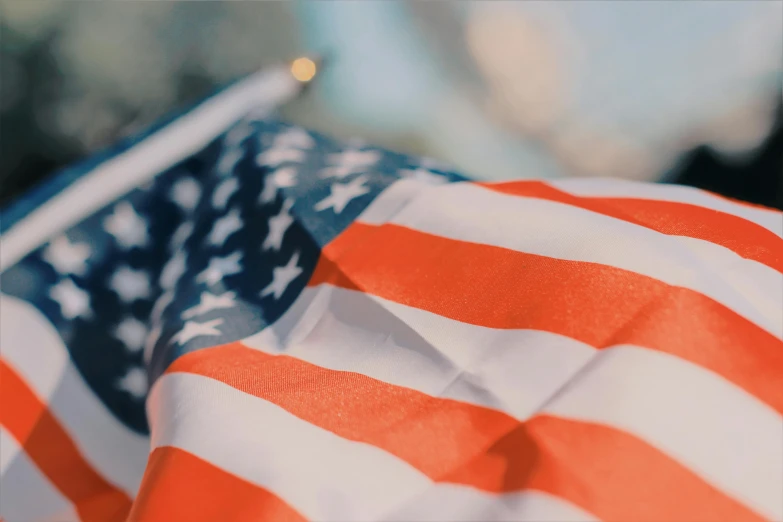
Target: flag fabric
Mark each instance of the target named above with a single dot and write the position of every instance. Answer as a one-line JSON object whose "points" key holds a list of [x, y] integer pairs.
{"points": [[236, 319]]}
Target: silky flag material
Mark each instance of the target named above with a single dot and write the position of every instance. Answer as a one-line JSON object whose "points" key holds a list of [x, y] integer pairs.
{"points": [[232, 318]]}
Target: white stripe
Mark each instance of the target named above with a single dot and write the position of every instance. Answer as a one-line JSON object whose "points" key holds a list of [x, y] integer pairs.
{"points": [[514, 371], [455, 503], [8, 451], [468, 212], [616, 188], [32, 346], [719, 431], [681, 408], [26, 495], [319, 474], [393, 200], [110, 180]]}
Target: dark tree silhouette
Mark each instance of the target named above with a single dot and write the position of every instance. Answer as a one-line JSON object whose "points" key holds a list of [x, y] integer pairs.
{"points": [[759, 180]]}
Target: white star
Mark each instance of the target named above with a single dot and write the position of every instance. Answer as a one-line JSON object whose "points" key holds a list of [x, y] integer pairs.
{"points": [[193, 329], [281, 178], [278, 225], [173, 270], [339, 171], [132, 333], [130, 284], [294, 138], [342, 194], [127, 226], [219, 267], [275, 156], [223, 192], [358, 159], [186, 193], [150, 342], [134, 382], [282, 277], [67, 257], [73, 301], [229, 160], [181, 235], [224, 227], [210, 302], [425, 176]]}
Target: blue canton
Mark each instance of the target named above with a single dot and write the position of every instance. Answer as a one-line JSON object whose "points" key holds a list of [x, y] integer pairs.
{"points": [[209, 252]]}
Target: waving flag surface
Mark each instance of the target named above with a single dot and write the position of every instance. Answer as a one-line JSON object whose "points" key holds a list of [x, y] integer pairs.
{"points": [[236, 319]]}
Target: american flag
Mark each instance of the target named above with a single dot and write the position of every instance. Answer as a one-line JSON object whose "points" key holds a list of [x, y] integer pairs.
{"points": [[232, 318]]}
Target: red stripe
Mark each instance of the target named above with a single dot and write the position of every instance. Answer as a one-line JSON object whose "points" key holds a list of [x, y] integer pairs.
{"points": [[178, 485], [744, 237], [433, 435], [597, 304], [27, 419], [597, 468], [607, 472]]}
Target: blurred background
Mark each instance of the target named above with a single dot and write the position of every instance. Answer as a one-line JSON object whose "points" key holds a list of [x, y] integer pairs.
{"points": [[686, 92]]}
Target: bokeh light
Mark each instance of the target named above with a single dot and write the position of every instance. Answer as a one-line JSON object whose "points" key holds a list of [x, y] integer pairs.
{"points": [[303, 69]]}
